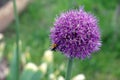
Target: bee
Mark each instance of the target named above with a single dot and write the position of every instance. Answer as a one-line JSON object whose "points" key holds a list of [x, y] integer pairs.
{"points": [[53, 47]]}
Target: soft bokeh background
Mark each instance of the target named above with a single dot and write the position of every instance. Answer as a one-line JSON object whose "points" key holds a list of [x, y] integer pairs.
{"points": [[38, 63]]}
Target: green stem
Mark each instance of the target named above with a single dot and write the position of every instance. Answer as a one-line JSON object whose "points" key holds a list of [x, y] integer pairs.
{"points": [[69, 69], [17, 39]]}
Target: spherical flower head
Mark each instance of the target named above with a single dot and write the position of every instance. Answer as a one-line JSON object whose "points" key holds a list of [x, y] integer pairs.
{"points": [[76, 34]]}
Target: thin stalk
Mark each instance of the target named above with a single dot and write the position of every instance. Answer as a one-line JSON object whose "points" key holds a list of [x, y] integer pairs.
{"points": [[73, 4], [17, 39], [69, 69]]}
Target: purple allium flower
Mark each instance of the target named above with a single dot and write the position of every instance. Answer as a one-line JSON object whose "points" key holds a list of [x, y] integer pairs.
{"points": [[76, 34]]}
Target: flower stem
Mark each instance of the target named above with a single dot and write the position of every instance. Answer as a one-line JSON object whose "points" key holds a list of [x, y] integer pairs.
{"points": [[69, 69], [17, 40]]}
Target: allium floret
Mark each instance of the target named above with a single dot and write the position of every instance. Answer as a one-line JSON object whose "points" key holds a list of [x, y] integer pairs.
{"points": [[76, 34]]}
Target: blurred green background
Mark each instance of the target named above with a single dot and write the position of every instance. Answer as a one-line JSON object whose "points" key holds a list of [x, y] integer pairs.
{"points": [[35, 23]]}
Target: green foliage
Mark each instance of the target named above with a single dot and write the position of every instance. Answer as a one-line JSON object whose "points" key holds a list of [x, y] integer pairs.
{"points": [[28, 74]]}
